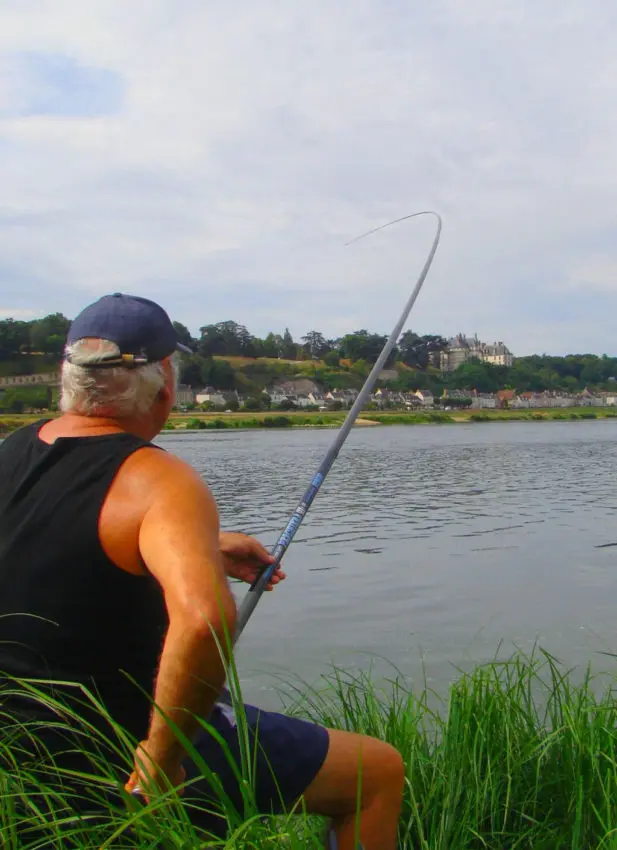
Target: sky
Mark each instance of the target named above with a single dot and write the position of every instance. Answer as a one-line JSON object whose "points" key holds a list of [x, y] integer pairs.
{"points": [[217, 157]]}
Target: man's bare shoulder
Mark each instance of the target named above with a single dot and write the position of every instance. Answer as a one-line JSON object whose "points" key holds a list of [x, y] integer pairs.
{"points": [[157, 491], [153, 480], [152, 468]]}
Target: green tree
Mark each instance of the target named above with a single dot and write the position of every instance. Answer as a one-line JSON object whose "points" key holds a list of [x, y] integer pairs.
{"points": [[315, 344], [361, 368], [48, 334], [228, 334], [570, 383], [14, 338], [333, 359], [222, 375], [253, 403], [246, 342], [191, 370], [210, 341], [522, 375], [225, 338], [474, 375], [593, 371], [416, 350], [449, 401], [272, 345], [409, 379], [362, 345], [289, 348]]}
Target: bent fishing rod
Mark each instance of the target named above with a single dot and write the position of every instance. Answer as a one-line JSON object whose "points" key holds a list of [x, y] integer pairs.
{"points": [[254, 593]]}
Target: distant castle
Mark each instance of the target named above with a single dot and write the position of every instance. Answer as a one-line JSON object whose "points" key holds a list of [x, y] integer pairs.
{"points": [[461, 349]]}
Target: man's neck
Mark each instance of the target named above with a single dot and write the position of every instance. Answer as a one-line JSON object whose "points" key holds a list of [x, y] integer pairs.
{"points": [[75, 425]]}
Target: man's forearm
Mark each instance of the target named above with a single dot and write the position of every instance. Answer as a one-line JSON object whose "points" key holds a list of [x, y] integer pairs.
{"points": [[190, 678]]}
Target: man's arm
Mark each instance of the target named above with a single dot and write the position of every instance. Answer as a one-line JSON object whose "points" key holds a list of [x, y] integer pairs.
{"points": [[179, 543]]}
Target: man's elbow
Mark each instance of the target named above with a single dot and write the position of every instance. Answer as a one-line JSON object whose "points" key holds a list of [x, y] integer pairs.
{"points": [[212, 621]]}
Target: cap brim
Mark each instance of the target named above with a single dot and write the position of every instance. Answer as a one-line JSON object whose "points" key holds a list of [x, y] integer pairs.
{"points": [[184, 348]]}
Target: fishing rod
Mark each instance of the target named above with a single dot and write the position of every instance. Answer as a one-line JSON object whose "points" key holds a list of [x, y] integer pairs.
{"points": [[254, 593]]}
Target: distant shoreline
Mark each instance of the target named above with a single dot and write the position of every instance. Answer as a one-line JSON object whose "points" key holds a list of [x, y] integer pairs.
{"points": [[197, 421]]}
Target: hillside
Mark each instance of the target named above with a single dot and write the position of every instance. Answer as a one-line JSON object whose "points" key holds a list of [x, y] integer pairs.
{"points": [[253, 375], [228, 357]]}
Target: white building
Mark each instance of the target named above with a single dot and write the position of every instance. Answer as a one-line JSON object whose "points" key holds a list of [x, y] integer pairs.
{"points": [[461, 349], [589, 399], [498, 354], [346, 397], [278, 395], [483, 401], [184, 395], [317, 398], [530, 400], [426, 397], [209, 394]]}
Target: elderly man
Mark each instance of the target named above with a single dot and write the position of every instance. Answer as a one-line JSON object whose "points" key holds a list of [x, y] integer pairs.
{"points": [[113, 577]]}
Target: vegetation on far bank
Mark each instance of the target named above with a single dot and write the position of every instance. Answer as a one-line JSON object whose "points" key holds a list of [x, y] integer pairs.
{"points": [[298, 419], [516, 755]]}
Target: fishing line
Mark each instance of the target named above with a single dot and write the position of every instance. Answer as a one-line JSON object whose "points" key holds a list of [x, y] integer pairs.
{"points": [[256, 590]]}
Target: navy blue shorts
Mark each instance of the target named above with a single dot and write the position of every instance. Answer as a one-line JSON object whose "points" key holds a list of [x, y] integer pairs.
{"points": [[285, 754]]}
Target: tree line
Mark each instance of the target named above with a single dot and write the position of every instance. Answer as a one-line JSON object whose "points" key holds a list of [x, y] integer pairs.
{"points": [[343, 362], [230, 339], [47, 335]]}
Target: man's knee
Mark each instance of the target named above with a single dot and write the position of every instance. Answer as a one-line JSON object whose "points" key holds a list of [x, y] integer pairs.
{"points": [[387, 768], [356, 765]]}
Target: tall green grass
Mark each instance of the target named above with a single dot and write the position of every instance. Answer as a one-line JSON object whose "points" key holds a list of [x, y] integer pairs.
{"points": [[517, 755], [48, 802]]}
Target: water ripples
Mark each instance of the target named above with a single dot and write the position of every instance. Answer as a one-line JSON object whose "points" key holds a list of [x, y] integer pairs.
{"points": [[425, 534]]}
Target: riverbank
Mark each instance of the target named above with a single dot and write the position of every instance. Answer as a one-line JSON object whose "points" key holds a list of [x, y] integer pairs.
{"points": [[518, 755], [298, 419]]}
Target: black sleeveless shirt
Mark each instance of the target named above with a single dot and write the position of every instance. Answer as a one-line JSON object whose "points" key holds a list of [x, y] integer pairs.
{"points": [[67, 612]]}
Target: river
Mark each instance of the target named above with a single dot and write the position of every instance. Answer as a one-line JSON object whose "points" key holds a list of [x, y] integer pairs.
{"points": [[427, 545]]}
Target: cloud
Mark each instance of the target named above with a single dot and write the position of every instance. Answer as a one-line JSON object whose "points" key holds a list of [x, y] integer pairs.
{"points": [[217, 157]]}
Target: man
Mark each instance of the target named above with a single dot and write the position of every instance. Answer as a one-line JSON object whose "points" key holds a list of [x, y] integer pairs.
{"points": [[113, 576]]}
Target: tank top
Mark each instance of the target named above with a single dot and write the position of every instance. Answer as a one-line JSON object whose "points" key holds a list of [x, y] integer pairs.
{"points": [[67, 612]]}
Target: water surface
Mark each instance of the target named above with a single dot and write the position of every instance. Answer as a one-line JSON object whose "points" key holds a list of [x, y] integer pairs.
{"points": [[426, 544]]}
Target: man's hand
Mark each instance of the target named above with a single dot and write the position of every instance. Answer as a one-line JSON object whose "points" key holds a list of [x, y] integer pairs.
{"points": [[244, 558], [151, 775]]}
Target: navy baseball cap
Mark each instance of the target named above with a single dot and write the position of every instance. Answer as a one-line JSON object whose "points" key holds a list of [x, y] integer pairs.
{"points": [[141, 329]]}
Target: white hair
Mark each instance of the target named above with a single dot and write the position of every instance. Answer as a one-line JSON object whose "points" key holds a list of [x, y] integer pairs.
{"points": [[117, 392]]}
